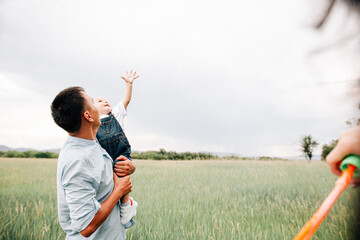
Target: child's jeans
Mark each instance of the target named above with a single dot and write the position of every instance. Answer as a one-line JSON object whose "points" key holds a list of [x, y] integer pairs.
{"points": [[113, 139]]}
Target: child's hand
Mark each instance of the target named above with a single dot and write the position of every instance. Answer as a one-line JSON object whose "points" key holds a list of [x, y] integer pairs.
{"points": [[130, 77]]}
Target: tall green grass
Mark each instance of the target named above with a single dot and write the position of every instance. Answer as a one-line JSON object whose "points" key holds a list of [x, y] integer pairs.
{"points": [[190, 200], [28, 199]]}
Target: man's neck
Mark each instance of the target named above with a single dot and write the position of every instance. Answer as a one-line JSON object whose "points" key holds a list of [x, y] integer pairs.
{"points": [[88, 133]]}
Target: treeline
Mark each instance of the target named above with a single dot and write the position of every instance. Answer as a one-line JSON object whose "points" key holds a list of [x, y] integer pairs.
{"points": [[162, 154], [28, 154]]}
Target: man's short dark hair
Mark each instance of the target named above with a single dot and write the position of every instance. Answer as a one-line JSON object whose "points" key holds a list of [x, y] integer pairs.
{"points": [[67, 108]]}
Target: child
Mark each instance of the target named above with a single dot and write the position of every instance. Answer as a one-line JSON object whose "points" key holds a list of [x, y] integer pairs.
{"points": [[112, 138]]}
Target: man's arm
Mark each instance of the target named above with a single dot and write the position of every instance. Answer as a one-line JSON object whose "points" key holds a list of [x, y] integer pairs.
{"points": [[122, 186], [129, 79], [80, 180]]}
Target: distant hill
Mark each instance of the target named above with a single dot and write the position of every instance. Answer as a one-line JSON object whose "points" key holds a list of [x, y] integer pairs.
{"points": [[4, 148]]}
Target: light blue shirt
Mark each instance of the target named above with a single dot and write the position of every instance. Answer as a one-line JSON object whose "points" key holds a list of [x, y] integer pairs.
{"points": [[84, 180]]}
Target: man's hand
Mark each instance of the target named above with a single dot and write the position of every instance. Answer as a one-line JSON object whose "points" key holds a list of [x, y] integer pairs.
{"points": [[122, 186], [124, 167], [130, 77]]}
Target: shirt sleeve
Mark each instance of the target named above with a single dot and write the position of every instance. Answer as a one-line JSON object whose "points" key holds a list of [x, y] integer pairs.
{"points": [[80, 186], [119, 113]]}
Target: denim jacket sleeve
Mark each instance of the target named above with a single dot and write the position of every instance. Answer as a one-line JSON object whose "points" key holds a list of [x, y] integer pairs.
{"points": [[80, 184]]}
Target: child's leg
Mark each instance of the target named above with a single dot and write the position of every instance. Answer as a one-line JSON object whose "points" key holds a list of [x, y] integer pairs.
{"points": [[127, 210], [125, 198]]}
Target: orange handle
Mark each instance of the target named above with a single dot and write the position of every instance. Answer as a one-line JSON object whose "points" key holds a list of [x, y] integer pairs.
{"points": [[340, 185]]}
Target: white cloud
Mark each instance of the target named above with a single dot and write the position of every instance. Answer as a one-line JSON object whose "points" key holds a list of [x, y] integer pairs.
{"points": [[26, 120]]}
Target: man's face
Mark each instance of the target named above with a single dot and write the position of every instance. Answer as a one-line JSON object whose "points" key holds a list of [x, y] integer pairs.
{"points": [[102, 105], [89, 106]]}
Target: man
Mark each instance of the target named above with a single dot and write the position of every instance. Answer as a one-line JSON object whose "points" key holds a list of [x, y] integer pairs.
{"points": [[88, 190]]}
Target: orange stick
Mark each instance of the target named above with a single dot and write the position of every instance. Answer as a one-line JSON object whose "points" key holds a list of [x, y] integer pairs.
{"points": [[340, 185]]}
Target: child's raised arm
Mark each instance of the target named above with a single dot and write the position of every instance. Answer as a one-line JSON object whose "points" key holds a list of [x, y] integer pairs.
{"points": [[129, 79]]}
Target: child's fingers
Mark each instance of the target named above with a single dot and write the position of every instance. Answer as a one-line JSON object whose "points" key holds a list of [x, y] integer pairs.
{"points": [[136, 77], [134, 74]]}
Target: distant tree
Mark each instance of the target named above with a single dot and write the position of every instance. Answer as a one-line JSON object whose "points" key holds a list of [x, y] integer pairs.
{"points": [[43, 155], [326, 149], [10, 154], [308, 145]]}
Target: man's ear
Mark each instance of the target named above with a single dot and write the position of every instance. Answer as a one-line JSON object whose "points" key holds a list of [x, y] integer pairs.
{"points": [[87, 116]]}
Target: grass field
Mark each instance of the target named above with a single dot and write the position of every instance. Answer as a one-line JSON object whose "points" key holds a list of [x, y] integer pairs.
{"points": [[190, 200]]}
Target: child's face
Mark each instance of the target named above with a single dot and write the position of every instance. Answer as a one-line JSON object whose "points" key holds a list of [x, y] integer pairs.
{"points": [[102, 105]]}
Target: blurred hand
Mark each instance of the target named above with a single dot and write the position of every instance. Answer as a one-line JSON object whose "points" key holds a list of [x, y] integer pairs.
{"points": [[130, 77], [124, 167], [355, 182], [349, 143]]}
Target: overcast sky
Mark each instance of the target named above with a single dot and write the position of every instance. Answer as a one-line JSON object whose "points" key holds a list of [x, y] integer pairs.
{"points": [[247, 77]]}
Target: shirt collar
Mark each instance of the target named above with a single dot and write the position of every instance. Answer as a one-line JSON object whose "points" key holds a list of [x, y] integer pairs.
{"points": [[82, 141]]}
